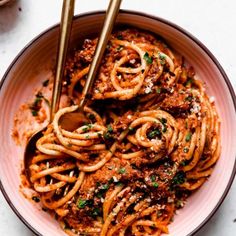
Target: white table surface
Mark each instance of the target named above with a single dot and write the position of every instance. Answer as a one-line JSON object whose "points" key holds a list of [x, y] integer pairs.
{"points": [[211, 21]]}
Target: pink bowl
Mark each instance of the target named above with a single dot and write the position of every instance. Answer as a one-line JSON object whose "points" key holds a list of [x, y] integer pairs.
{"points": [[34, 64]]}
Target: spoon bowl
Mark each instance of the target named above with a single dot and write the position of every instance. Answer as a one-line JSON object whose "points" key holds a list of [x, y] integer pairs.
{"points": [[30, 151]]}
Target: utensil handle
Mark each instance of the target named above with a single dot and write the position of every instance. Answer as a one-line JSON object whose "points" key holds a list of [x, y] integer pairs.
{"points": [[109, 21], [65, 29]]}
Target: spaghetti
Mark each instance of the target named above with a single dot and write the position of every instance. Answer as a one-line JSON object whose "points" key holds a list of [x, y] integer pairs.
{"points": [[153, 138]]}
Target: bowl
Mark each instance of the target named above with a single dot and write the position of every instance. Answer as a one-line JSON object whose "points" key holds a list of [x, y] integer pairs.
{"points": [[35, 62]]}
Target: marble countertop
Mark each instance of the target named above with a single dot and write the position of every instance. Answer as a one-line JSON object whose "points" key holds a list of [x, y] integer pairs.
{"points": [[212, 22]]}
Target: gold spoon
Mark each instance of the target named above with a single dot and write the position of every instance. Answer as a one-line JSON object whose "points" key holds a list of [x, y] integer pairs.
{"points": [[65, 29], [71, 121]]}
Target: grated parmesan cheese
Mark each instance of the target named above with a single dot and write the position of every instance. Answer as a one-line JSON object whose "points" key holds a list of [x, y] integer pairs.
{"points": [[129, 117], [212, 99], [132, 61], [196, 108]]}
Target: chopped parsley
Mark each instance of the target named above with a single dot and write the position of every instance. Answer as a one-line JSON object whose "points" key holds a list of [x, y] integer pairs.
{"points": [[155, 184], [153, 134], [122, 170], [162, 58], [153, 178], [158, 90], [163, 120], [109, 128], [81, 203], [185, 150], [179, 178], [133, 166], [107, 135], [188, 82], [45, 83], [147, 58], [91, 116], [186, 124], [189, 98], [36, 199], [111, 180], [85, 129], [179, 203], [118, 184], [34, 112], [104, 186], [188, 137], [119, 48], [120, 37], [171, 73], [164, 129], [102, 189], [36, 105], [95, 212], [131, 128], [183, 163]]}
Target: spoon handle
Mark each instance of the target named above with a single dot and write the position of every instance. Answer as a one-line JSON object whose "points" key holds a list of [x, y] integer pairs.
{"points": [[65, 29], [110, 18]]}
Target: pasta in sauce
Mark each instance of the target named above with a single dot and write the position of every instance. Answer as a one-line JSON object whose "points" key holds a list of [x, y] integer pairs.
{"points": [[153, 137]]}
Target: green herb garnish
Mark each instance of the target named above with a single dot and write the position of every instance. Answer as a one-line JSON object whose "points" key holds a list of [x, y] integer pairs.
{"points": [[147, 58], [131, 128], [120, 37], [188, 82], [179, 178], [81, 203], [179, 203], [122, 170], [109, 128], [104, 186], [34, 112], [158, 90], [91, 116], [189, 98], [95, 212], [107, 135], [185, 150], [153, 178], [186, 124], [85, 129], [155, 184], [188, 137], [45, 83], [183, 163], [119, 48], [36, 199], [163, 120], [154, 133], [162, 58]]}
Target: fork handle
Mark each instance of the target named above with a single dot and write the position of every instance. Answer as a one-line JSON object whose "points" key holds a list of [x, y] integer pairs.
{"points": [[65, 29]]}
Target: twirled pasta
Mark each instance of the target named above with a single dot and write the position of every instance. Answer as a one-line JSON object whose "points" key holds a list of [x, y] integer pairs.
{"points": [[152, 138]]}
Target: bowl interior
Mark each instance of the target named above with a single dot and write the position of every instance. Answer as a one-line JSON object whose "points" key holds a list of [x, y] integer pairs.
{"points": [[35, 64]]}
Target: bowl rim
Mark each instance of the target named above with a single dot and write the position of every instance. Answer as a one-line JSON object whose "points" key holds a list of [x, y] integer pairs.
{"points": [[153, 17]]}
